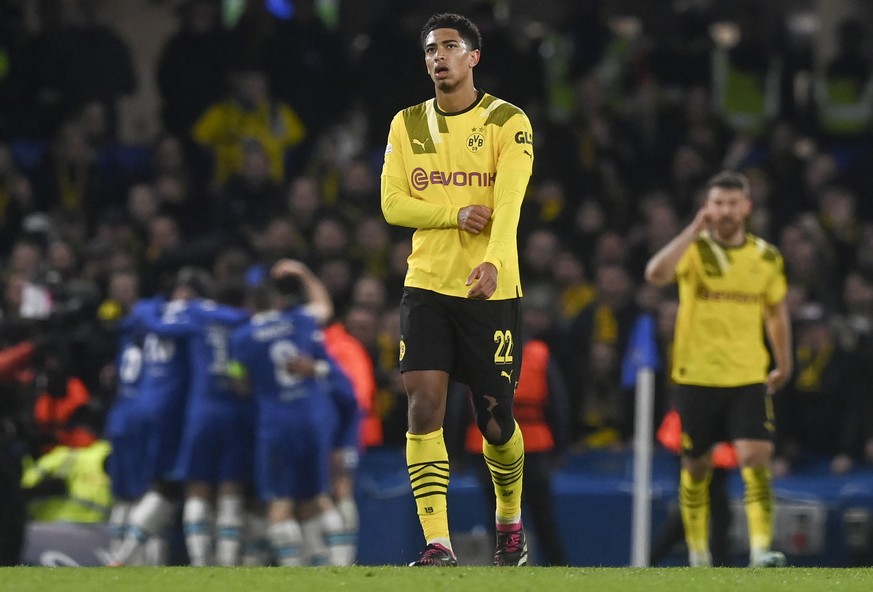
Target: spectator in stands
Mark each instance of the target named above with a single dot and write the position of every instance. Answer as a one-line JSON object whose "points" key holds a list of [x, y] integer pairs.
{"points": [[60, 393], [68, 177], [16, 197], [69, 483], [821, 413], [15, 430], [250, 197], [308, 68], [192, 66], [371, 247], [248, 115], [304, 204], [843, 89], [590, 355]]}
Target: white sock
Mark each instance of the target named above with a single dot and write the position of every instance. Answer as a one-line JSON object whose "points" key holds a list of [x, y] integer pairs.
{"points": [[151, 516], [314, 547], [256, 549], [286, 538], [157, 549], [229, 525], [197, 521], [118, 525], [699, 559], [339, 551]]}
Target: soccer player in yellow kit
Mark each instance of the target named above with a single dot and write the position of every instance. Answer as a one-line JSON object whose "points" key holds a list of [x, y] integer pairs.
{"points": [[456, 169], [731, 293]]}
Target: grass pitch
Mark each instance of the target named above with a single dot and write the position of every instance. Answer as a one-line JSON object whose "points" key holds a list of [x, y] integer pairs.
{"points": [[404, 579]]}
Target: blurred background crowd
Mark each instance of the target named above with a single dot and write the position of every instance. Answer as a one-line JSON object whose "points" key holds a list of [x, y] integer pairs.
{"points": [[138, 137]]}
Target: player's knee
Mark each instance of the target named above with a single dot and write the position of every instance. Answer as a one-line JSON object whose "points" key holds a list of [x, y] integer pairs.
{"points": [[496, 425]]}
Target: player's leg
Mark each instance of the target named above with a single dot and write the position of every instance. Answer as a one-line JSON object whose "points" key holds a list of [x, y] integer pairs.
{"points": [[198, 523], [234, 470], [256, 550], [701, 412], [694, 507], [314, 541], [752, 429], [151, 518], [284, 532], [427, 460], [754, 457], [426, 357], [229, 521], [344, 463], [490, 350]]}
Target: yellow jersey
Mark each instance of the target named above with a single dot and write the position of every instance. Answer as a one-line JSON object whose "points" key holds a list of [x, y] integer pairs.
{"points": [[437, 163], [723, 292], [227, 128]]}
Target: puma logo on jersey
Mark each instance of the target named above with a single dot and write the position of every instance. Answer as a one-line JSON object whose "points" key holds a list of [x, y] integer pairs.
{"points": [[508, 375], [528, 153], [419, 142]]}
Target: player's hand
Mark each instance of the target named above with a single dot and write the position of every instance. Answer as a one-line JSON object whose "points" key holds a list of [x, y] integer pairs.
{"points": [[776, 380], [483, 278], [473, 219], [301, 365], [286, 267], [703, 219]]}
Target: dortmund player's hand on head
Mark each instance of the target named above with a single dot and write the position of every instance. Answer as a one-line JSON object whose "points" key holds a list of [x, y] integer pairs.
{"points": [[474, 218], [704, 218], [483, 278]]}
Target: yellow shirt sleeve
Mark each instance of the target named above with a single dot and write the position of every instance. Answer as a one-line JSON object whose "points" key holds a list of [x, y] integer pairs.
{"points": [[514, 169], [399, 207]]}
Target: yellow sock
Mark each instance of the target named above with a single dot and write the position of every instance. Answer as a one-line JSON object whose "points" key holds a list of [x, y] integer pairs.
{"points": [[694, 506], [759, 508], [506, 465], [428, 463]]}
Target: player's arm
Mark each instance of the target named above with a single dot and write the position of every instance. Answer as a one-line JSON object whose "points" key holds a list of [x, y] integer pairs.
{"points": [[169, 322], [661, 268], [514, 169], [319, 303], [314, 364], [778, 326], [399, 206]]}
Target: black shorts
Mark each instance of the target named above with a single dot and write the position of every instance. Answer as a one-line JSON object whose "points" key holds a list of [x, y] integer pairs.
{"points": [[723, 414], [478, 342]]}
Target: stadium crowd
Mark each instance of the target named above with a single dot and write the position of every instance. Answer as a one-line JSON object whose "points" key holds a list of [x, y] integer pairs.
{"points": [[272, 135]]}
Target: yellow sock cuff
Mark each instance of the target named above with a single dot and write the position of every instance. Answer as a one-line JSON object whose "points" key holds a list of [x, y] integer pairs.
{"points": [[694, 507], [759, 507], [428, 463], [506, 465]]}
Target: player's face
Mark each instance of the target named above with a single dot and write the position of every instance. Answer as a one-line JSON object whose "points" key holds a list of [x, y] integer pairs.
{"points": [[449, 61], [728, 209]]}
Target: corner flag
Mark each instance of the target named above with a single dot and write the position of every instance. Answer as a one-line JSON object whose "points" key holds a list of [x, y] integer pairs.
{"points": [[642, 351]]}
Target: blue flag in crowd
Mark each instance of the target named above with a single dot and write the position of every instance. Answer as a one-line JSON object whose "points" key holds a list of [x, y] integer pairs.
{"points": [[642, 351]]}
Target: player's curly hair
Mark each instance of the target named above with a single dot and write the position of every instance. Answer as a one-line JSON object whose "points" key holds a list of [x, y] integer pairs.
{"points": [[448, 20]]}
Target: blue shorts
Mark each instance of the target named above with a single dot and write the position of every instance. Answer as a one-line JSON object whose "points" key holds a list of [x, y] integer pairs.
{"points": [[293, 462], [217, 445], [127, 432]]}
